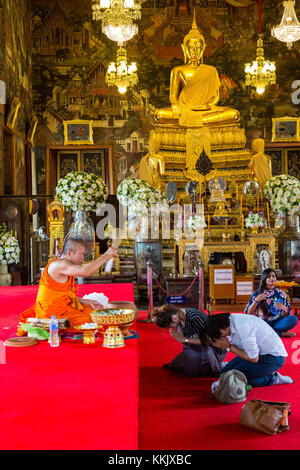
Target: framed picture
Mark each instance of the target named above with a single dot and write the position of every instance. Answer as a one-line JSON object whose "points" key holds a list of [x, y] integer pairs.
{"points": [[32, 129], [13, 113], [67, 162], [78, 132], [19, 166], [94, 162], [145, 251], [285, 129]]}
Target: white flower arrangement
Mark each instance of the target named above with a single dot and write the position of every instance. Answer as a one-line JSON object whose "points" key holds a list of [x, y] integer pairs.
{"points": [[139, 197], [255, 220], [283, 192], [196, 222], [81, 190], [9, 247]]}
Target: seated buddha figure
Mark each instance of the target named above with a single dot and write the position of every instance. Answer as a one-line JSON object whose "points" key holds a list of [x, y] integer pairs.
{"points": [[194, 89]]}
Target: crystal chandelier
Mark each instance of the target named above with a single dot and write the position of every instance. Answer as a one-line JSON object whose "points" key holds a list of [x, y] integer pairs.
{"points": [[260, 72], [289, 29], [121, 74], [117, 18]]}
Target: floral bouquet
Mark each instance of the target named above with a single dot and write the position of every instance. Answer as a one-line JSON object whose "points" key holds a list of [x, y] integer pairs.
{"points": [[196, 222], [283, 192], [9, 247], [139, 197], [81, 190], [255, 220]]}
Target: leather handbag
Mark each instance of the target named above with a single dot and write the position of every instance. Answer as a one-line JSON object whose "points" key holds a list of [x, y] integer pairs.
{"points": [[268, 417]]}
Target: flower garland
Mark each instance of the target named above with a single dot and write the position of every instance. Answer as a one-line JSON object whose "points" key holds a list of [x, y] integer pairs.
{"points": [[81, 190], [139, 197], [255, 220], [9, 247], [283, 192], [195, 222]]}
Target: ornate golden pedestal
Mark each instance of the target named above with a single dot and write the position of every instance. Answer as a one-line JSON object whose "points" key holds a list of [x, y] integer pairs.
{"points": [[173, 150]]}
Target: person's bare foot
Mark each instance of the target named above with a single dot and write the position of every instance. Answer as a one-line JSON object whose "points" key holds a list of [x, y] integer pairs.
{"points": [[289, 334]]}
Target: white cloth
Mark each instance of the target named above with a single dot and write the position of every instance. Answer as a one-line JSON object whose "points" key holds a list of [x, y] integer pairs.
{"points": [[101, 298], [255, 336]]}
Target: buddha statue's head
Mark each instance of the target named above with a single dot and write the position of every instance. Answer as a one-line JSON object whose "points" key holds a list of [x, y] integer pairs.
{"points": [[258, 145], [193, 45]]}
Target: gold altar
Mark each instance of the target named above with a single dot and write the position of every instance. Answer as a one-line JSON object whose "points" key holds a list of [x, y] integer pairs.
{"points": [[248, 247]]}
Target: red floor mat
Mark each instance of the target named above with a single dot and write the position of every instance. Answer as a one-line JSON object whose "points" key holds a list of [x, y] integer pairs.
{"points": [[177, 412], [75, 396]]}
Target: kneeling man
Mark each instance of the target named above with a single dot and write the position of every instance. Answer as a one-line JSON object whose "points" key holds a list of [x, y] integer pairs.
{"points": [[57, 288]]}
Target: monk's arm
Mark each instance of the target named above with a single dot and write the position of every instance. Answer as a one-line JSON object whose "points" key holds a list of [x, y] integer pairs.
{"points": [[84, 270]]}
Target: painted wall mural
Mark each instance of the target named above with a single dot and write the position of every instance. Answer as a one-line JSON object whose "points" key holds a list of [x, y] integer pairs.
{"points": [[70, 57]]}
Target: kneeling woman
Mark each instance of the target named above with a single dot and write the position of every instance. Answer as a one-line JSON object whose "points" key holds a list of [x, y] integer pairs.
{"points": [[272, 305], [186, 326]]}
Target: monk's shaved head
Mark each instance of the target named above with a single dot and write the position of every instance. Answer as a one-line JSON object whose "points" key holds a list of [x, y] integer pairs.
{"points": [[73, 244]]}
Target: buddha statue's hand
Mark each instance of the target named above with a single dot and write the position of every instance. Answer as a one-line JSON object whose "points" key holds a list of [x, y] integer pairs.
{"points": [[176, 110]]}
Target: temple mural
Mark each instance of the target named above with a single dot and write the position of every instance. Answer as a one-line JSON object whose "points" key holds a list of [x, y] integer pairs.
{"points": [[70, 56]]}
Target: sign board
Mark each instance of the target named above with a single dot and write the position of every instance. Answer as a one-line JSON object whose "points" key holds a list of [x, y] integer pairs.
{"points": [[176, 299], [223, 276], [221, 282], [244, 288]]}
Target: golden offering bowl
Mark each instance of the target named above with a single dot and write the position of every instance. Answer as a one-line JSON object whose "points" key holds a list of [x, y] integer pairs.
{"points": [[117, 317], [88, 334]]}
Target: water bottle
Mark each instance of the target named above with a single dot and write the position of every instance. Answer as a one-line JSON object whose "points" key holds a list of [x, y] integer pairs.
{"points": [[53, 327]]}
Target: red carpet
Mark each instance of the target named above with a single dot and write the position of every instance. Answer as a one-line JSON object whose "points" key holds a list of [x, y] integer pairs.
{"points": [[75, 396], [178, 412]]}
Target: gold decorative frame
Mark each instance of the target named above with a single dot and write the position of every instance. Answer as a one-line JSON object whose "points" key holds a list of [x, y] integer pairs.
{"points": [[32, 129], [13, 113], [77, 127], [289, 130]]}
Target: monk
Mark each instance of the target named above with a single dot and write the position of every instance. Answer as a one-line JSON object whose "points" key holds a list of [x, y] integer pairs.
{"points": [[57, 288], [260, 163]]}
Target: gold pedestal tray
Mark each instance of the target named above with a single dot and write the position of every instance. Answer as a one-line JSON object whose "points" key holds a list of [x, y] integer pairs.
{"points": [[88, 334], [117, 317]]}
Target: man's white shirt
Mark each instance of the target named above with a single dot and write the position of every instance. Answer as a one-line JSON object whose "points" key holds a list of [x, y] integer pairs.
{"points": [[255, 336]]}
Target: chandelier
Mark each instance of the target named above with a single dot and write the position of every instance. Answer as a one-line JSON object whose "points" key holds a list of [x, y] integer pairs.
{"points": [[121, 74], [260, 72], [289, 29], [117, 18]]}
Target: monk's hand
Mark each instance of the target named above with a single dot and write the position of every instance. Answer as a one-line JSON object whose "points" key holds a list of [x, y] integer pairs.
{"points": [[92, 303], [177, 335], [112, 252], [221, 343]]}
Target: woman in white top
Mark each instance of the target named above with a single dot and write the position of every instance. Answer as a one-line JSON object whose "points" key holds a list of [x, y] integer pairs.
{"points": [[259, 350]]}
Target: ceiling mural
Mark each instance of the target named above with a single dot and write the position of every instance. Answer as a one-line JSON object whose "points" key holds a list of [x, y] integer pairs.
{"points": [[71, 55]]}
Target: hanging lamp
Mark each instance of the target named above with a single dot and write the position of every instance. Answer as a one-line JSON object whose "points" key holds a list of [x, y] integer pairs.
{"points": [[260, 73], [289, 28]]}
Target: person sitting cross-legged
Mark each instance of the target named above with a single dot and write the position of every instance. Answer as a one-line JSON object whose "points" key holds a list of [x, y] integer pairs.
{"points": [[57, 293]]}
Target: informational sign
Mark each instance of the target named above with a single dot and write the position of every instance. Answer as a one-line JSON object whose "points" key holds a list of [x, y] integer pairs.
{"points": [[223, 276], [244, 288], [176, 299]]}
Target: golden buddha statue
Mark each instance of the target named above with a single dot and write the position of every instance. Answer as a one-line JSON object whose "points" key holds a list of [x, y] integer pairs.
{"points": [[194, 89], [260, 163]]}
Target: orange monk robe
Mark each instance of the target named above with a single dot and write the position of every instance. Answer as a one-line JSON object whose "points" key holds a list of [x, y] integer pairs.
{"points": [[59, 299]]}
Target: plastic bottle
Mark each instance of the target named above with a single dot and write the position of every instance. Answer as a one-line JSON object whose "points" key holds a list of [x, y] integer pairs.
{"points": [[53, 327]]}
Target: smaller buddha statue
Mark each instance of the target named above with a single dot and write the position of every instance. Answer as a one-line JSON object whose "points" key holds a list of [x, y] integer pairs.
{"points": [[216, 190], [260, 163], [194, 89]]}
